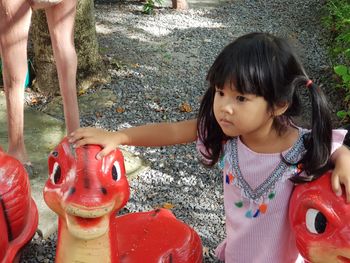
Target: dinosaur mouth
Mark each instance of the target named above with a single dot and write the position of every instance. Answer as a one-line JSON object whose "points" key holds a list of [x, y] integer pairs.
{"points": [[89, 212], [88, 223], [87, 228]]}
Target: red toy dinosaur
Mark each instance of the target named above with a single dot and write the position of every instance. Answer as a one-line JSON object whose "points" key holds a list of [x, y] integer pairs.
{"points": [[321, 222], [18, 212], [87, 193]]}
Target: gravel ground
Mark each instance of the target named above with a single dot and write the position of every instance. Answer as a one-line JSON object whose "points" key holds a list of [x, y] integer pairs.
{"points": [[159, 63]]}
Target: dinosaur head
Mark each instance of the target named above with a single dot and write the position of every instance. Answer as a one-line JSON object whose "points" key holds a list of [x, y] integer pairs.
{"points": [[83, 191], [321, 222]]}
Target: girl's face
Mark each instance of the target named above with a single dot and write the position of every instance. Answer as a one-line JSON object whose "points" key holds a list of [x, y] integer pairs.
{"points": [[241, 114]]}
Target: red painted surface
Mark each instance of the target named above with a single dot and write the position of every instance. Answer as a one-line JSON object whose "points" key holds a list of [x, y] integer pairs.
{"points": [[321, 221], [18, 212], [80, 188]]}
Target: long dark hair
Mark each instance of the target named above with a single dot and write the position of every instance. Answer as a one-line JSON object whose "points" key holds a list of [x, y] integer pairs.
{"points": [[265, 65]]}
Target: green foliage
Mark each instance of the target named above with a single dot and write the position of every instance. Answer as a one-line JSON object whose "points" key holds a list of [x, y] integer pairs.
{"points": [[337, 21], [344, 73], [148, 7]]}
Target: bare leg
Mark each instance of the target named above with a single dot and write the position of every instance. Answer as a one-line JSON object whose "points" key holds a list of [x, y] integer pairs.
{"points": [[14, 26], [60, 19]]}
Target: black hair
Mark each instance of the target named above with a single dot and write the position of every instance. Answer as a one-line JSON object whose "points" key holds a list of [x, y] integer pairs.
{"points": [[266, 65]]}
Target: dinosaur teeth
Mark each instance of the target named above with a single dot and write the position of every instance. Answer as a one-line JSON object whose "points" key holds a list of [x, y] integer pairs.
{"points": [[87, 228], [89, 212]]}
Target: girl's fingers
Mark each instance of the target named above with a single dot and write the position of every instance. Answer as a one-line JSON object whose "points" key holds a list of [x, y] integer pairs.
{"points": [[76, 135], [336, 185], [347, 189], [104, 152], [80, 143], [85, 141], [83, 136], [82, 132]]}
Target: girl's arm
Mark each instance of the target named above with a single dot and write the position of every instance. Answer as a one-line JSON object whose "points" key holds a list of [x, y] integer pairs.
{"points": [[157, 134], [341, 171]]}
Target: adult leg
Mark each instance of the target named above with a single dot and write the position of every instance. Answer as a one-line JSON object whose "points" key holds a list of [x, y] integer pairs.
{"points": [[14, 27], [60, 19]]}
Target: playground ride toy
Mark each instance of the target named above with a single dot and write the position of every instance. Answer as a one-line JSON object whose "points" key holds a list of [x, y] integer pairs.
{"points": [[87, 193], [18, 212], [321, 222]]}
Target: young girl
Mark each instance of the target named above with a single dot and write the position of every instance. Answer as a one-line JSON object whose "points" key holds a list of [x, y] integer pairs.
{"points": [[245, 125]]}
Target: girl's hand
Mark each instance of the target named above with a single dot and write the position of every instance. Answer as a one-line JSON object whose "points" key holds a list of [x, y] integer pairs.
{"points": [[341, 172], [108, 140]]}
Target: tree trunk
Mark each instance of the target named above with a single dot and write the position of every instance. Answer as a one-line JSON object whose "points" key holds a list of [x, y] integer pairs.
{"points": [[91, 69], [180, 4]]}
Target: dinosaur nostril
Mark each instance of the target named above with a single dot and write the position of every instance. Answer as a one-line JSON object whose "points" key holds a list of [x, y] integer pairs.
{"points": [[72, 190], [86, 182], [104, 190]]}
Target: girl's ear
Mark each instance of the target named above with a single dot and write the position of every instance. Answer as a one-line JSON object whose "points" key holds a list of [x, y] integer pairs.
{"points": [[280, 108]]}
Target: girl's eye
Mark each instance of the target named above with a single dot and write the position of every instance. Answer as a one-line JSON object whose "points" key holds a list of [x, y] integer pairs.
{"points": [[241, 98], [220, 92]]}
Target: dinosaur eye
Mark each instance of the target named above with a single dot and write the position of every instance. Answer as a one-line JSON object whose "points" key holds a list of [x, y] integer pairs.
{"points": [[116, 172], [316, 222], [56, 173]]}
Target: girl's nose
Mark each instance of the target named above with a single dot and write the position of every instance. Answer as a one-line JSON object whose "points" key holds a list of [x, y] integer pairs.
{"points": [[227, 106]]}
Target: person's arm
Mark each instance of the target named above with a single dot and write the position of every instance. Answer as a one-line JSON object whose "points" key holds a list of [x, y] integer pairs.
{"points": [[157, 134], [341, 171]]}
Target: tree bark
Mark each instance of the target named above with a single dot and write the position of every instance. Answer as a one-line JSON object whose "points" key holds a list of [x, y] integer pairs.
{"points": [[180, 4], [91, 69]]}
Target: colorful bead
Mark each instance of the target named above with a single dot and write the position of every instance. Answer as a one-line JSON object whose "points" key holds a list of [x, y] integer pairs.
{"points": [[221, 163], [256, 213], [271, 195], [230, 177], [239, 204], [299, 168], [249, 214], [263, 208]]}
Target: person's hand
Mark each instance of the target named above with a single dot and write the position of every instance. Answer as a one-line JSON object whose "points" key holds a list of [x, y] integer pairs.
{"points": [[108, 140], [341, 173]]}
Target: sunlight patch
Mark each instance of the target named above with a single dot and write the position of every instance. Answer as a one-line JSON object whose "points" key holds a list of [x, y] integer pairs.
{"points": [[153, 27], [103, 29]]}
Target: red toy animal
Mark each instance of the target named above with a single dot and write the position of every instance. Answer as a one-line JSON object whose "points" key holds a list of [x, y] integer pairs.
{"points": [[18, 212], [321, 222], [87, 193]]}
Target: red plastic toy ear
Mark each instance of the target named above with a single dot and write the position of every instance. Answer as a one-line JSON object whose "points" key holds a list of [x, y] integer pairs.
{"points": [[4, 236], [320, 221], [18, 215]]}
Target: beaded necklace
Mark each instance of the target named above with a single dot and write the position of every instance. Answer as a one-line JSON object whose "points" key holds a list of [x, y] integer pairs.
{"points": [[260, 196]]}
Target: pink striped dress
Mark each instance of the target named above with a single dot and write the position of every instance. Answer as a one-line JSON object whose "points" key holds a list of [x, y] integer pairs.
{"points": [[256, 199]]}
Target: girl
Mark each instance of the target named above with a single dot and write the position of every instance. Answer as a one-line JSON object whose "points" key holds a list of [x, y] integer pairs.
{"points": [[245, 125]]}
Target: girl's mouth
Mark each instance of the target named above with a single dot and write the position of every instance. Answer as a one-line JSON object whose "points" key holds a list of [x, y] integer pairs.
{"points": [[224, 122]]}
